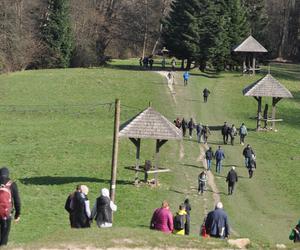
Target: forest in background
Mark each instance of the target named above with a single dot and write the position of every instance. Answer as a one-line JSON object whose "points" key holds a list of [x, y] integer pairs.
{"points": [[74, 33]]}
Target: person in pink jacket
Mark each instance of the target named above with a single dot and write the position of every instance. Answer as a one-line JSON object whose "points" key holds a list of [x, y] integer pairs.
{"points": [[162, 219]]}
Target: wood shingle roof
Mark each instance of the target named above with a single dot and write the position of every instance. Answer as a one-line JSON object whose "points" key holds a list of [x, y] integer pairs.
{"points": [[267, 86], [150, 124], [250, 45]]}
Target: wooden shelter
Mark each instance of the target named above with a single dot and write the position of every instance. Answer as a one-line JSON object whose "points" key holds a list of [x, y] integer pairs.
{"points": [[250, 48], [267, 86], [149, 124]]}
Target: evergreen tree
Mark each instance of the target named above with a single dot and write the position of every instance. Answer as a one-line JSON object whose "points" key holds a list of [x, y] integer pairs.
{"points": [[181, 30], [57, 35]]}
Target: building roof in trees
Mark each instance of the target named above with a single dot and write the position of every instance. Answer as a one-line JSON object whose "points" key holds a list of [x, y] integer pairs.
{"points": [[150, 124], [267, 86], [250, 45]]}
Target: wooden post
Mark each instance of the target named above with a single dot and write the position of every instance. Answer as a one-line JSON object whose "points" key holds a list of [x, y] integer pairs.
{"points": [[274, 102], [159, 143], [137, 143], [253, 64], [258, 99], [115, 151], [244, 65]]}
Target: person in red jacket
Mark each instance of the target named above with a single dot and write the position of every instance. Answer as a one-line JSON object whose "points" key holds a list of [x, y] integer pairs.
{"points": [[162, 219]]}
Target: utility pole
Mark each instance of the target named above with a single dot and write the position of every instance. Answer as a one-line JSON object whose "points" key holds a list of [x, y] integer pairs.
{"points": [[115, 151]]}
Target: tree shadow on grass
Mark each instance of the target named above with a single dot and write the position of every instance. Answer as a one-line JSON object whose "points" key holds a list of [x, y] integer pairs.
{"points": [[191, 165], [60, 180]]}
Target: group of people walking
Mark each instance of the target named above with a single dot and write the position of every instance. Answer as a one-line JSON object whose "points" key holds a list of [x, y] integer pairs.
{"points": [[80, 214], [231, 132]]}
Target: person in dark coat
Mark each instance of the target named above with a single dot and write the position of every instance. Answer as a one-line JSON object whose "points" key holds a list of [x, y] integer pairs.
{"points": [[247, 153], [199, 129], [81, 207], [151, 61], [251, 166], [206, 93], [231, 179], [219, 155], [224, 132], [183, 126], [191, 126], [295, 234], [103, 209], [5, 220], [188, 209], [216, 223], [68, 206], [205, 133], [209, 154], [233, 133], [266, 115]]}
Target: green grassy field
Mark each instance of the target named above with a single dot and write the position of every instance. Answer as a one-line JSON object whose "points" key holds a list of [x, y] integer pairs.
{"points": [[56, 132]]}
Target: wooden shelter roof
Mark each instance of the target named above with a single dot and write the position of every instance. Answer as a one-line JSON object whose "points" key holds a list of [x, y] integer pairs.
{"points": [[267, 86], [150, 124], [250, 45]]}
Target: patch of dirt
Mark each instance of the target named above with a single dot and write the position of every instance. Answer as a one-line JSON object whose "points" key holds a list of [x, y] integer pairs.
{"points": [[170, 84]]}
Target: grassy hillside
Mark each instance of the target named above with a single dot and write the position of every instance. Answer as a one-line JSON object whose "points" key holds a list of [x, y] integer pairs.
{"points": [[56, 131]]}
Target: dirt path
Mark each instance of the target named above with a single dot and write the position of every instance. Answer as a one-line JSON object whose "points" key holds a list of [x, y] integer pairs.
{"points": [[170, 84]]}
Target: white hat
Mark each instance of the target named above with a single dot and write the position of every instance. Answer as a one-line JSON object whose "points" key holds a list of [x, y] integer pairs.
{"points": [[233, 167], [219, 205], [84, 189], [105, 192]]}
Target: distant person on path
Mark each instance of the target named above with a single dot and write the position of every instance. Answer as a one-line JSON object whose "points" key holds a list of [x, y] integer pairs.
{"points": [[81, 207], [162, 219], [243, 133], [188, 209], [251, 166], [170, 78], [151, 61], [219, 155], [163, 63], [199, 129], [231, 179], [206, 93], [9, 202], [205, 133], [202, 179], [191, 126], [216, 222], [209, 155], [224, 132], [141, 62], [177, 123], [180, 221], [247, 153], [173, 64], [103, 209], [68, 205], [232, 133], [266, 115], [145, 62], [183, 126], [295, 233], [186, 76]]}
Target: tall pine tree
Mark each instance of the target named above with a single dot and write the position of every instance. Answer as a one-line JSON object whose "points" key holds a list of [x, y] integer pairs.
{"points": [[57, 35]]}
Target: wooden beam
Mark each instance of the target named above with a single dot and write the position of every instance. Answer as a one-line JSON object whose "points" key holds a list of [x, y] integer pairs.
{"points": [[258, 113], [137, 143], [275, 100], [253, 64]]}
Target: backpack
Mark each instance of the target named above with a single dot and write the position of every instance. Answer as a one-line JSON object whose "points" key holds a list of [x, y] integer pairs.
{"points": [[243, 130], [179, 221], [5, 200]]}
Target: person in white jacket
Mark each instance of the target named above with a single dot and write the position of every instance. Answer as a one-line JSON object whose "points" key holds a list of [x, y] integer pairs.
{"points": [[103, 209]]}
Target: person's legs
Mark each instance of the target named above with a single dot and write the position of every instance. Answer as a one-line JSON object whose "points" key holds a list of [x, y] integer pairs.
{"points": [[224, 139], [208, 164], [198, 137], [246, 162], [218, 166], [190, 132], [5, 229], [187, 225]]}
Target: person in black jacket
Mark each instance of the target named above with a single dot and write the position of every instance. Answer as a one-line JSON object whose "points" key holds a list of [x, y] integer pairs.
{"points": [[103, 209], [69, 205], [224, 132], [206, 93], [209, 154], [5, 221], [232, 178], [81, 208], [188, 209], [248, 153]]}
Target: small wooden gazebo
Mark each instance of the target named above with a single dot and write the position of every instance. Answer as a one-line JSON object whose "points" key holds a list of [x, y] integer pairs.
{"points": [[250, 48], [149, 124], [267, 86]]}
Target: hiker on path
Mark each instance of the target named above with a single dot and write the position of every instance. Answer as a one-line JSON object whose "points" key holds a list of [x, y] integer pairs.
{"points": [[183, 126], [145, 62], [243, 133], [232, 133], [162, 219], [69, 207], [224, 131], [231, 179], [247, 153], [163, 63], [209, 155], [202, 179], [251, 166], [151, 61], [81, 208], [295, 233], [216, 222], [219, 155], [191, 126], [177, 123], [170, 78], [173, 64], [206, 93], [188, 209], [180, 221], [9, 202], [186, 76], [205, 133], [199, 129], [141, 62], [103, 209]]}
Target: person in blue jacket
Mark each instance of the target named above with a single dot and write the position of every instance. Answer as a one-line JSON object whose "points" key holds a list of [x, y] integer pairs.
{"points": [[186, 76], [219, 155], [216, 223]]}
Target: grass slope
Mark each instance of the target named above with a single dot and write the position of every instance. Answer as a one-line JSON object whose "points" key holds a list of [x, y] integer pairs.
{"points": [[56, 132]]}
